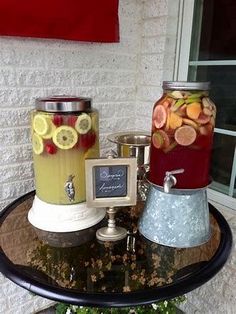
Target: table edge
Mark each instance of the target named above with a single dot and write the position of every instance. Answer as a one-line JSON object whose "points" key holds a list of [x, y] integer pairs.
{"points": [[132, 298]]}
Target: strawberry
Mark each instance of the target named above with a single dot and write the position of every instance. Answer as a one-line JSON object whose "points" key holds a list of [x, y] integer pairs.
{"points": [[87, 140], [71, 121], [50, 148], [57, 120]]}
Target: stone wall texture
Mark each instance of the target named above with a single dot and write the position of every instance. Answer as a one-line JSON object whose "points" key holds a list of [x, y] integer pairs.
{"points": [[124, 79]]}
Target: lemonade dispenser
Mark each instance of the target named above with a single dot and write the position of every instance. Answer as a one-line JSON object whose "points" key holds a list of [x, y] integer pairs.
{"points": [[64, 133], [176, 212]]}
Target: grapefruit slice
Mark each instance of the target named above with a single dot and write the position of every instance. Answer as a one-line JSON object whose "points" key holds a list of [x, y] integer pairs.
{"points": [[159, 116], [185, 135]]}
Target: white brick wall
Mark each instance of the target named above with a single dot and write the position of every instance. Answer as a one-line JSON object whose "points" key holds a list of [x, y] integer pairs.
{"points": [[124, 80]]}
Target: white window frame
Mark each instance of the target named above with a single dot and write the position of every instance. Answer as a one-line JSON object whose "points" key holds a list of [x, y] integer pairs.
{"points": [[186, 10]]}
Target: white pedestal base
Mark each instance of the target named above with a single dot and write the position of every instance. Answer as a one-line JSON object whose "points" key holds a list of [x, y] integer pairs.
{"points": [[63, 218]]}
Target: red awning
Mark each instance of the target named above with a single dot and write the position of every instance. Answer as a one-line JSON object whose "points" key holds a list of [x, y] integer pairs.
{"points": [[82, 20]]}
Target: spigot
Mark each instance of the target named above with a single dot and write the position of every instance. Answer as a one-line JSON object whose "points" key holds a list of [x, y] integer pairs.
{"points": [[170, 180]]}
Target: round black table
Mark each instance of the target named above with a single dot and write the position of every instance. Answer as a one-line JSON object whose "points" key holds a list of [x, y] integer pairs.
{"points": [[75, 268]]}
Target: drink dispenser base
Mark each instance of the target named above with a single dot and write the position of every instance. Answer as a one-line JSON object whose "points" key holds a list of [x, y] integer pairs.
{"points": [[179, 218], [63, 218]]}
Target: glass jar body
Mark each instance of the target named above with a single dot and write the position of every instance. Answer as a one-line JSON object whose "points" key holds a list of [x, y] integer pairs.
{"points": [[61, 143], [183, 123]]}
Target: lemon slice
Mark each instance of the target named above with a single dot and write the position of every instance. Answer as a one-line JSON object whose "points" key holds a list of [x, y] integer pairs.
{"points": [[37, 144], [65, 137], [41, 124], [50, 132], [83, 123]]}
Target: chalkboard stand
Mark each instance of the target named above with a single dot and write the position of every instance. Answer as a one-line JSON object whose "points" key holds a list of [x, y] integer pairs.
{"points": [[111, 232]]}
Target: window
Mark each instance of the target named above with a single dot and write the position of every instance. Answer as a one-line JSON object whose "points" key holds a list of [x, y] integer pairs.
{"points": [[207, 52]]}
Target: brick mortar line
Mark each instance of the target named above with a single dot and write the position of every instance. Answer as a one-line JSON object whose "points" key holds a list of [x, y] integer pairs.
{"points": [[16, 164]]}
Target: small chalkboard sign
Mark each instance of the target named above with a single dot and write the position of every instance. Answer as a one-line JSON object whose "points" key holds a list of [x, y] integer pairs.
{"points": [[111, 182]]}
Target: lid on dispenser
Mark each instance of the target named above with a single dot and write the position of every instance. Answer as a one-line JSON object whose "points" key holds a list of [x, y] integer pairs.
{"points": [[63, 103], [186, 85]]}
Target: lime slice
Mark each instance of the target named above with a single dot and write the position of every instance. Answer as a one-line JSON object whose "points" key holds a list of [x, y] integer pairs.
{"points": [[83, 123], [40, 124], [65, 137], [37, 144]]}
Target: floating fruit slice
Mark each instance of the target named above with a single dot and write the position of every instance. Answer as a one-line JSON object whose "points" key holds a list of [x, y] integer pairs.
{"points": [[177, 105], [203, 118], [196, 95], [40, 124], [159, 116], [65, 137], [177, 94], [192, 99], [157, 140], [206, 129], [167, 120], [191, 123], [166, 103], [182, 110], [193, 110], [175, 120], [50, 132], [37, 143], [185, 135], [207, 111], [166, 140], [83, 123]]}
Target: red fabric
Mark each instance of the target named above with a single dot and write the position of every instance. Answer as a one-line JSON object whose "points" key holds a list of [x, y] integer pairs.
{"points": [[83, 20]]}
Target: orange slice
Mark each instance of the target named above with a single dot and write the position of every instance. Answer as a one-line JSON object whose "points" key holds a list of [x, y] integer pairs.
{"points": [[159, 116], [175, 120], [193, 110], [185, 135]]}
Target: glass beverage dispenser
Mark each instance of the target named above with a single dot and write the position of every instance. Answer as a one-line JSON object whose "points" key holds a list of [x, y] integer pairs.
{"points": [[182, 134], [64, 133]]}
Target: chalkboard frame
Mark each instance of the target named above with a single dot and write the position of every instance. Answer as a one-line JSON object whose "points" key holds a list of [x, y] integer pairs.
{"points": [[130, 199]]}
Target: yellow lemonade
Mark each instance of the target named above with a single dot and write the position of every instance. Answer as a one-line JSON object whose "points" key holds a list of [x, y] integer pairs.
{"points": [[61, 143]]}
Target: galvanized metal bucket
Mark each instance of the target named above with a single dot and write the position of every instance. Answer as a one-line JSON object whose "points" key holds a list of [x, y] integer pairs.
{"points": [[179, 218]]}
